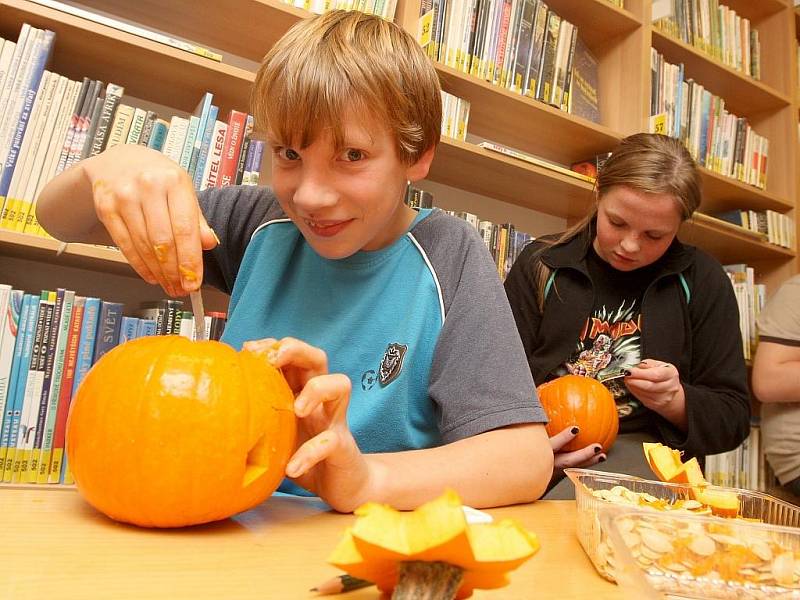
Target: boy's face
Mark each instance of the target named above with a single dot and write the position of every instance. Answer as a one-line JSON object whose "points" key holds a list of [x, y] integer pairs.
{"points": [[347, 199]]}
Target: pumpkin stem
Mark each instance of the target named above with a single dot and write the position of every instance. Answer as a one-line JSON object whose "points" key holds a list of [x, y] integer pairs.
{"points": [[421, 580]]}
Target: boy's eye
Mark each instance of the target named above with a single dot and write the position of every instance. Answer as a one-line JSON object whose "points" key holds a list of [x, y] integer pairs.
{"points": [[615, 223], [288, 154], [654, 236], [353, 155]]}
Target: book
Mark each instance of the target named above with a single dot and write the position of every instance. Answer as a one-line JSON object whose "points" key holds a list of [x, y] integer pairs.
{"points": [[12, 412], [65, 398], [132, 29], [534, 160], [231, 148], [109, 321], [584, 100], [10, 303], [211, 169]]}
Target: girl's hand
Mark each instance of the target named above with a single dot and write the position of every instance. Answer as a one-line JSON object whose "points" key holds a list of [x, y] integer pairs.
{"points": [[148, 206], [585, 457], [327, 460], [657, 385]]}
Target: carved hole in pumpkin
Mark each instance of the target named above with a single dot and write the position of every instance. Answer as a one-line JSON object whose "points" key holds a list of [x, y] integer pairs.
{"points": [[257, 461]]}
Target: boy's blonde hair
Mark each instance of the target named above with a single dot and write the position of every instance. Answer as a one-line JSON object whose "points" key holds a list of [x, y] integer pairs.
{"points": [[348, 59]]}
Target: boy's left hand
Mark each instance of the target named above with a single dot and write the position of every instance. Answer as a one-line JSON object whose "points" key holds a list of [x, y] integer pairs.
{"points": [[658, 386], [327, 460]]}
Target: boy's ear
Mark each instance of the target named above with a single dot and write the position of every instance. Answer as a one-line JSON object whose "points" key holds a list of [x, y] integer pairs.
{"points": [[419, 170]]}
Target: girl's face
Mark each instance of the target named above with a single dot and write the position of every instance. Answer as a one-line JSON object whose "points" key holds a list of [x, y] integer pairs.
{"points": [[635, 228]]}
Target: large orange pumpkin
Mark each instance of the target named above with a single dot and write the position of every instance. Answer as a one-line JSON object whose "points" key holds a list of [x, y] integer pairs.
{"points": [[582, 401], [165, 432]]}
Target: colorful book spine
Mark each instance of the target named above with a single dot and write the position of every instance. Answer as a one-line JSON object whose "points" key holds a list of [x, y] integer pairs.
{"points": [[55, 386], [51, 340], [128, 328], [108, 326], [22, 360], [19, 321], [33, 388], [8, 338], [70, 361]]}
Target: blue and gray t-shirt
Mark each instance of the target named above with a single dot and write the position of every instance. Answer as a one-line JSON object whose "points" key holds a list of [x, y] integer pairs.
{"points": [[422, 327]]}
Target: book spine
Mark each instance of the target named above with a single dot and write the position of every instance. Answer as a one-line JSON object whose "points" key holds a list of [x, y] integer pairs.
{"points": [[211, 171], [65, 398], [9, 318], [54, 394], [51, 340], [232, 146], [33, 389], [205, 147], [10, 414], [108, 326]]}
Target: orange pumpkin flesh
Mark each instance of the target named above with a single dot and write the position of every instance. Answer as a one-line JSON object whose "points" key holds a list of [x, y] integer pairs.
{"points": [[165, 432], [574, 400], [667, 465]]}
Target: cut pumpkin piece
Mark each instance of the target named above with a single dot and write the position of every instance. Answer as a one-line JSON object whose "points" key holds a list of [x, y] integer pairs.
{"points": [[664, 461], [722, 503], [396, 549]]}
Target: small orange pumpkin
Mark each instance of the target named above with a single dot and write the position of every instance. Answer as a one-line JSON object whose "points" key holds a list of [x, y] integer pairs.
{"points": [[582, 401], [166, 432]]}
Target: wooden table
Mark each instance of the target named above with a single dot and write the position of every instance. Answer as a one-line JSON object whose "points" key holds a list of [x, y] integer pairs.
{"points": [[54, 545]]}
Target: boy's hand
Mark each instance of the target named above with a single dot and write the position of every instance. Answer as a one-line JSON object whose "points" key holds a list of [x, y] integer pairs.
{"points": [[327, 461], [657, 385], [148, 206], [585, 457]]}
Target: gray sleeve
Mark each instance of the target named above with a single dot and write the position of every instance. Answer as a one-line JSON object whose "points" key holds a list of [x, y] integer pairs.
{"points": [[234, 213], [480, 377]]}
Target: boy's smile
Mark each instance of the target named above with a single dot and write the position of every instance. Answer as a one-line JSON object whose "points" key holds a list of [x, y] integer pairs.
{"points": [[347, 199]]}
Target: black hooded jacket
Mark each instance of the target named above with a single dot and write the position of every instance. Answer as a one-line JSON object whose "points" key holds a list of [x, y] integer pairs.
{"points": [[689, 321]]}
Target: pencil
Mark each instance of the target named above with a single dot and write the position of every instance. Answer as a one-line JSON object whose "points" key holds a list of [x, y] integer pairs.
{"points": [[341, 584]]}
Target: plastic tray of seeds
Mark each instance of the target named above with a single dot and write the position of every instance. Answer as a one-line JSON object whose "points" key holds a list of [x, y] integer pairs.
{"points": [[678, 555], [596, 491]]}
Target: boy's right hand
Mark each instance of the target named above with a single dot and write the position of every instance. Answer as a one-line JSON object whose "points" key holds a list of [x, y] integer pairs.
{"points": [[149, 209], [585, 457]]}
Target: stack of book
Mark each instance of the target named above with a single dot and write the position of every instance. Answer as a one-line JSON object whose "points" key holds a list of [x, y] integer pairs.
{"points": [[521, 45], [503, 241], [714, 29], [455, 116], [716, 138], [751, 297], [48, 342], [50, 122], [774, 227]]}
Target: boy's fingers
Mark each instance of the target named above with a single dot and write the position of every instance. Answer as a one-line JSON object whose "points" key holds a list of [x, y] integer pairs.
{"points": [[333, 390], [312, 452], [292, 352], [184, 218], [563, 437], [208, 237], [119, 234]]}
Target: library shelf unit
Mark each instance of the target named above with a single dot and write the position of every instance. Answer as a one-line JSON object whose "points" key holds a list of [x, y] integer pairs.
{"points": [[621, 38]]}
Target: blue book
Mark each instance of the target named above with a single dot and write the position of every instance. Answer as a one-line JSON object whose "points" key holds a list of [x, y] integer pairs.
{"points": [[201, 111], [91, 312], [205, 145], [158, 136], [24, 329], [108, 325], [40, 58], [128, 328], [146, 327]]}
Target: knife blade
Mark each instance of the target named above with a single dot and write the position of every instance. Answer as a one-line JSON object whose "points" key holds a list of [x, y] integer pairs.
{"points": [[199, 315]]}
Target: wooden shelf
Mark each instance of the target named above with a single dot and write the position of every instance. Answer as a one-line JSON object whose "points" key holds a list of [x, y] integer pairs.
{"points": [[729, 243], [476, 170], [598, 21], [246, 28], [755, 10], [515, 120], [159, 73], [84, 256], [722, 193], [744, 96]]}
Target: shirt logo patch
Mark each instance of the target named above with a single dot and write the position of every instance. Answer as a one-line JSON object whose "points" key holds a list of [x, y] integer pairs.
{"points": [[392, 363]]}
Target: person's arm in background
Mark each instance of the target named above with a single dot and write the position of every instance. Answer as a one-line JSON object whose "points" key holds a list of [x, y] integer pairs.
{"points": [[776, 367], [717, 399]]}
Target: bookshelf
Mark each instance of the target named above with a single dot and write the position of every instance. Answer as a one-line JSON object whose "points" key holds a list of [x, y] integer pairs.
{"points": [[621, 38]]}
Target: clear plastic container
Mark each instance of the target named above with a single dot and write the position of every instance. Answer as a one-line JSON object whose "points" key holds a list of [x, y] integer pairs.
{"points": [[654, 497], [671, 555]]}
